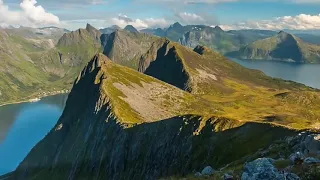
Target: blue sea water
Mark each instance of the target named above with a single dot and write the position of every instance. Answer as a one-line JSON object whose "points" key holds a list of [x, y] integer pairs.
{"points": [[23, 125]]}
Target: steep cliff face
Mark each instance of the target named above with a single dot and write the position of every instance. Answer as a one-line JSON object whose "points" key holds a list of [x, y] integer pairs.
{"points": [[124, 47], [214, 38], [104, 133], [163, 62]]}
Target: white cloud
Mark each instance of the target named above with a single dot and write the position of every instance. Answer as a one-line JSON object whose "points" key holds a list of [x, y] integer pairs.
{"points": [[299, 22], [123, 20], [30, 14], [190, 18], [81, 23], [97, 2]]}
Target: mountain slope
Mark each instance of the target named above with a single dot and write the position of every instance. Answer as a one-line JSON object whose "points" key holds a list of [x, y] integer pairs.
{"points": [[247, 36], [214, 38], [204, 67], [31, 66], [121, 124], [18, 73], [241, 93], [71, 53], [124, 47], [283, 47]]}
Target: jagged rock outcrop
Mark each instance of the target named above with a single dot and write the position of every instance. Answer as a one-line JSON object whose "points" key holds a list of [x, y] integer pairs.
{"points": [[264, 169], [95, 33], [113, 128], [81, 36]]}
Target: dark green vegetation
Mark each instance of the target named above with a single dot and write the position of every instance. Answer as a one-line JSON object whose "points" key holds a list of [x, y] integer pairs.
{"points": [[283, 47]]}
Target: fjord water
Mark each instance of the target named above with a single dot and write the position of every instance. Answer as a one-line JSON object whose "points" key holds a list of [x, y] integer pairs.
{"points": [[308, 74], [23, 125]]}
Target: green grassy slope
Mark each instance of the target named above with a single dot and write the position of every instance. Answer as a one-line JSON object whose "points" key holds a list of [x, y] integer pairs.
{"points": [[30, 67], [241, 93]]}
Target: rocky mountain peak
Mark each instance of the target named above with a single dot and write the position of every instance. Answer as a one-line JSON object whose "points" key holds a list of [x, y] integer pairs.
{"points": [[176, 25], [89, 27], [95, 33], [131, 28], [285, 36], [218, 28]]}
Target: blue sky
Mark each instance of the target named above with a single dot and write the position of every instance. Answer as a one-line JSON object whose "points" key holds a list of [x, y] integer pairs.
{"points": [[230, 14]]}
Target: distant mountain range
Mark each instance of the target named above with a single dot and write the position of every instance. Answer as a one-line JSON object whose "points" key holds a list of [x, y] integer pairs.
{"points": [[53, 56], [220, 40], [282, 47]]}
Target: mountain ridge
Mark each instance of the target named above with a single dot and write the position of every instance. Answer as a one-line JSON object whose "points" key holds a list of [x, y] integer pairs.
{"points": [[135, 142], [283, 47]]}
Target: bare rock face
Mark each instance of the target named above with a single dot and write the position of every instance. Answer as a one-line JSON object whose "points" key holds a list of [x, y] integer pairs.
{"points": [[306, 143], [94, 32], [264, 169], [207, 171], [126, 47]]}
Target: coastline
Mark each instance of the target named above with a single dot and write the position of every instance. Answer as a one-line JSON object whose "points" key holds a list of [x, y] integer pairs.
{"points": [[40, 95]]}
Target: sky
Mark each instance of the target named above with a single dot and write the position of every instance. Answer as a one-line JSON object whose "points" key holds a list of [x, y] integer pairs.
{"points": [[229, 14]]}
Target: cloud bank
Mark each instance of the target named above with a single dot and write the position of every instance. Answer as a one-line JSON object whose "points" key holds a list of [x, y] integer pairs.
{"points": [[29, 14], [124, 20], [229, 1], [299, 22]]}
